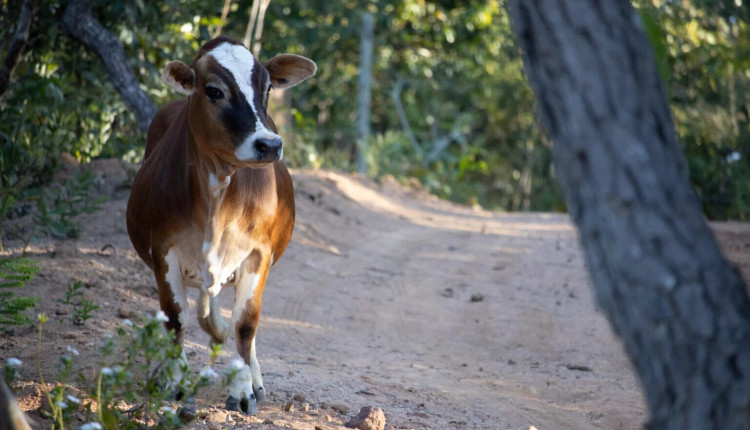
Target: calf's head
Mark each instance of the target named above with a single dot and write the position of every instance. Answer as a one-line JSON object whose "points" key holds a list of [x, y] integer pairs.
{"points": [[228, 89]]}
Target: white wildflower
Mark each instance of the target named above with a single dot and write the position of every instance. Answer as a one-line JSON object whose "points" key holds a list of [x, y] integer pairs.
{"points": [[167, 410], [161, 317], [127, 322], [61, 404], [74, 400], [14, 362], [72, 350], [107, 371], [208, 373], [90, 426]]}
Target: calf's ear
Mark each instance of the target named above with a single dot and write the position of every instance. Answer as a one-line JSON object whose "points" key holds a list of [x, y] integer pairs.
{"points": [[178, 76], [288, 70]]}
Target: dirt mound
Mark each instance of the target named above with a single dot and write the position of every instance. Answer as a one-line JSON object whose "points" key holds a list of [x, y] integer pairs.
{"points": [[443, 316]]}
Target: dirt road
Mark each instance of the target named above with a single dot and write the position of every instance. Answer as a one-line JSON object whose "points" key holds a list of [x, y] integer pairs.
{"points": [[444, 316]]}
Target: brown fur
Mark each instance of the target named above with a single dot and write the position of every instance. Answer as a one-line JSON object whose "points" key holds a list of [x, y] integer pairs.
{"points": [[171, 199]]}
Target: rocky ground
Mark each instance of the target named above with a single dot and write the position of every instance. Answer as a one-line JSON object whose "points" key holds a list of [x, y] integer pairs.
{"points": [[443, 316]]}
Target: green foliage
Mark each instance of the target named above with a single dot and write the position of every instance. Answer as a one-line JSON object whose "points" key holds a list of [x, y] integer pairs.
{"points": [[82, 308], [59, 205], [10, 371], [73, 292], [462, 79], [707, 48], [130, 389], [14, 272]]}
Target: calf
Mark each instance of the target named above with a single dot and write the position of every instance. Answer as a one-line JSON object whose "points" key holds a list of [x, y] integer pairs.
{"points": [[213, 205]]}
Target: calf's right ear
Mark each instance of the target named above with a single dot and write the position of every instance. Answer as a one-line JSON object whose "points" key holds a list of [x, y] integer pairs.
{"points": [[178, 76]]}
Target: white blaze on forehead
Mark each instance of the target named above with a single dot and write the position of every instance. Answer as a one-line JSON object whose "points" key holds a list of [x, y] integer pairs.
{"points": [[238, 61]]}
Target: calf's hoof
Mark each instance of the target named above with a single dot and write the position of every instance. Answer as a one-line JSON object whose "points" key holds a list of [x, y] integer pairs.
{"points": [[181, 397], [245, 405], [260, 394]]}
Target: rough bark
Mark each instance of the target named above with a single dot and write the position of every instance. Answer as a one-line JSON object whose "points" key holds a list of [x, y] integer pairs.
{"points": [[81, 25], [17, 44], [681, 310], [12, 416], [364, 90]]}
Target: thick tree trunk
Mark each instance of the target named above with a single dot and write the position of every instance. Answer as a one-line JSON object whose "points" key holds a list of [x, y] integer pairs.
{"points": [[11, 416], [78, 22], [17, 44], [681, 310]]}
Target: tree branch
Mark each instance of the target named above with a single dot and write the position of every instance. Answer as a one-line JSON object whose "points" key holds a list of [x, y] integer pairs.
{"points": [[78, 22], [396, 96], [224, 14], [20, 37]]}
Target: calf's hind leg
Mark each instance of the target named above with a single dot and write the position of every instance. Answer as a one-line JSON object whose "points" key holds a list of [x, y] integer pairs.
{"points": [[173, 303], [247, 387]]}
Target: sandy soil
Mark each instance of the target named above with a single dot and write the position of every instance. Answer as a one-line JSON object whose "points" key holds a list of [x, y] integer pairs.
{"points": [[446, 317]]}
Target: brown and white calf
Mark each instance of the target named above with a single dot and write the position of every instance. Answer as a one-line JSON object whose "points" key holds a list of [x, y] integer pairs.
{"points": [[213, 205]]}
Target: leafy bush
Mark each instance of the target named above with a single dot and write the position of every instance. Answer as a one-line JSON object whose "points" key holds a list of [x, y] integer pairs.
{"points": [[82, 308], [14, 272], [59, 205], [140, 370]]}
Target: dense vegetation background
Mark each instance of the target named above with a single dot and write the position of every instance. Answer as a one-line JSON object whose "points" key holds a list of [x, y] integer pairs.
{"points": [[450, 104]]}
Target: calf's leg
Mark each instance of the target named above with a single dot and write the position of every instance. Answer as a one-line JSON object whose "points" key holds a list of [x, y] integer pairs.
{"points": [[247, 387], [173, 303]]}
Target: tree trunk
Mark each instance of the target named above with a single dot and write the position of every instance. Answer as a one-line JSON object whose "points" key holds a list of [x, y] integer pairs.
{"points": [[12, 416], [364, 91], [15, 50], [681, 310], [78, 22]]}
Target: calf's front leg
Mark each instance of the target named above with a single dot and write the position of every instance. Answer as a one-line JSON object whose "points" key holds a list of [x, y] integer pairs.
{"points": [[247, 387]]}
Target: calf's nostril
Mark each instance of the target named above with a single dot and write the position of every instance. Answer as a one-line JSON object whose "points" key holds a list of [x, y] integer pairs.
{"points": [[264, 146]]}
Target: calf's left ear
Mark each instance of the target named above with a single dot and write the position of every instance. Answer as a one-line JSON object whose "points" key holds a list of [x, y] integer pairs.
{"points": [[288, 70], [180, 77]]}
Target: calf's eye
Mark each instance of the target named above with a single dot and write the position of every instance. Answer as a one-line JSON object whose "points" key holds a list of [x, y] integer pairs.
{"points": [[214, 93]]}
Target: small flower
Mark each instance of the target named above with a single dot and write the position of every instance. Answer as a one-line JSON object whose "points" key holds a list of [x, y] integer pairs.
{"points": [[107, 371], [90, 426], [61, 404], [237, 364], [127, 322], [72, 350], [14, 362], [208, 373], [167, 410], [74, 400], [161, 317]]}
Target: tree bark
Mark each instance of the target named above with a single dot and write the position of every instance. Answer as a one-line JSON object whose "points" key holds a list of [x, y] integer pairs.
{"points": [[17, 44], [364, 90], [681, 310], [81, 25], [12, 416]]}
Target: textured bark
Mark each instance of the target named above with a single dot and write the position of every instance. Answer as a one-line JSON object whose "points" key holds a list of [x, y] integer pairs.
{"points": [[681, 310], [81, 25], [364, 91], [12, 418], [17, 44]]}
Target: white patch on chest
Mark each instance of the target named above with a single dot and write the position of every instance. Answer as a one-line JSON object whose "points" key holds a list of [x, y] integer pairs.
{"points": [[216, 186], [240, 63]]}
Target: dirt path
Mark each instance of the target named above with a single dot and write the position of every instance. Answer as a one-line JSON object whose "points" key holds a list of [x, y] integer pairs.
{"points": [[443, 316]]}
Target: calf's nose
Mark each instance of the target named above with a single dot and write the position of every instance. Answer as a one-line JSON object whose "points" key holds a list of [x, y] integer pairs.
{"points": [[269, 149]]}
